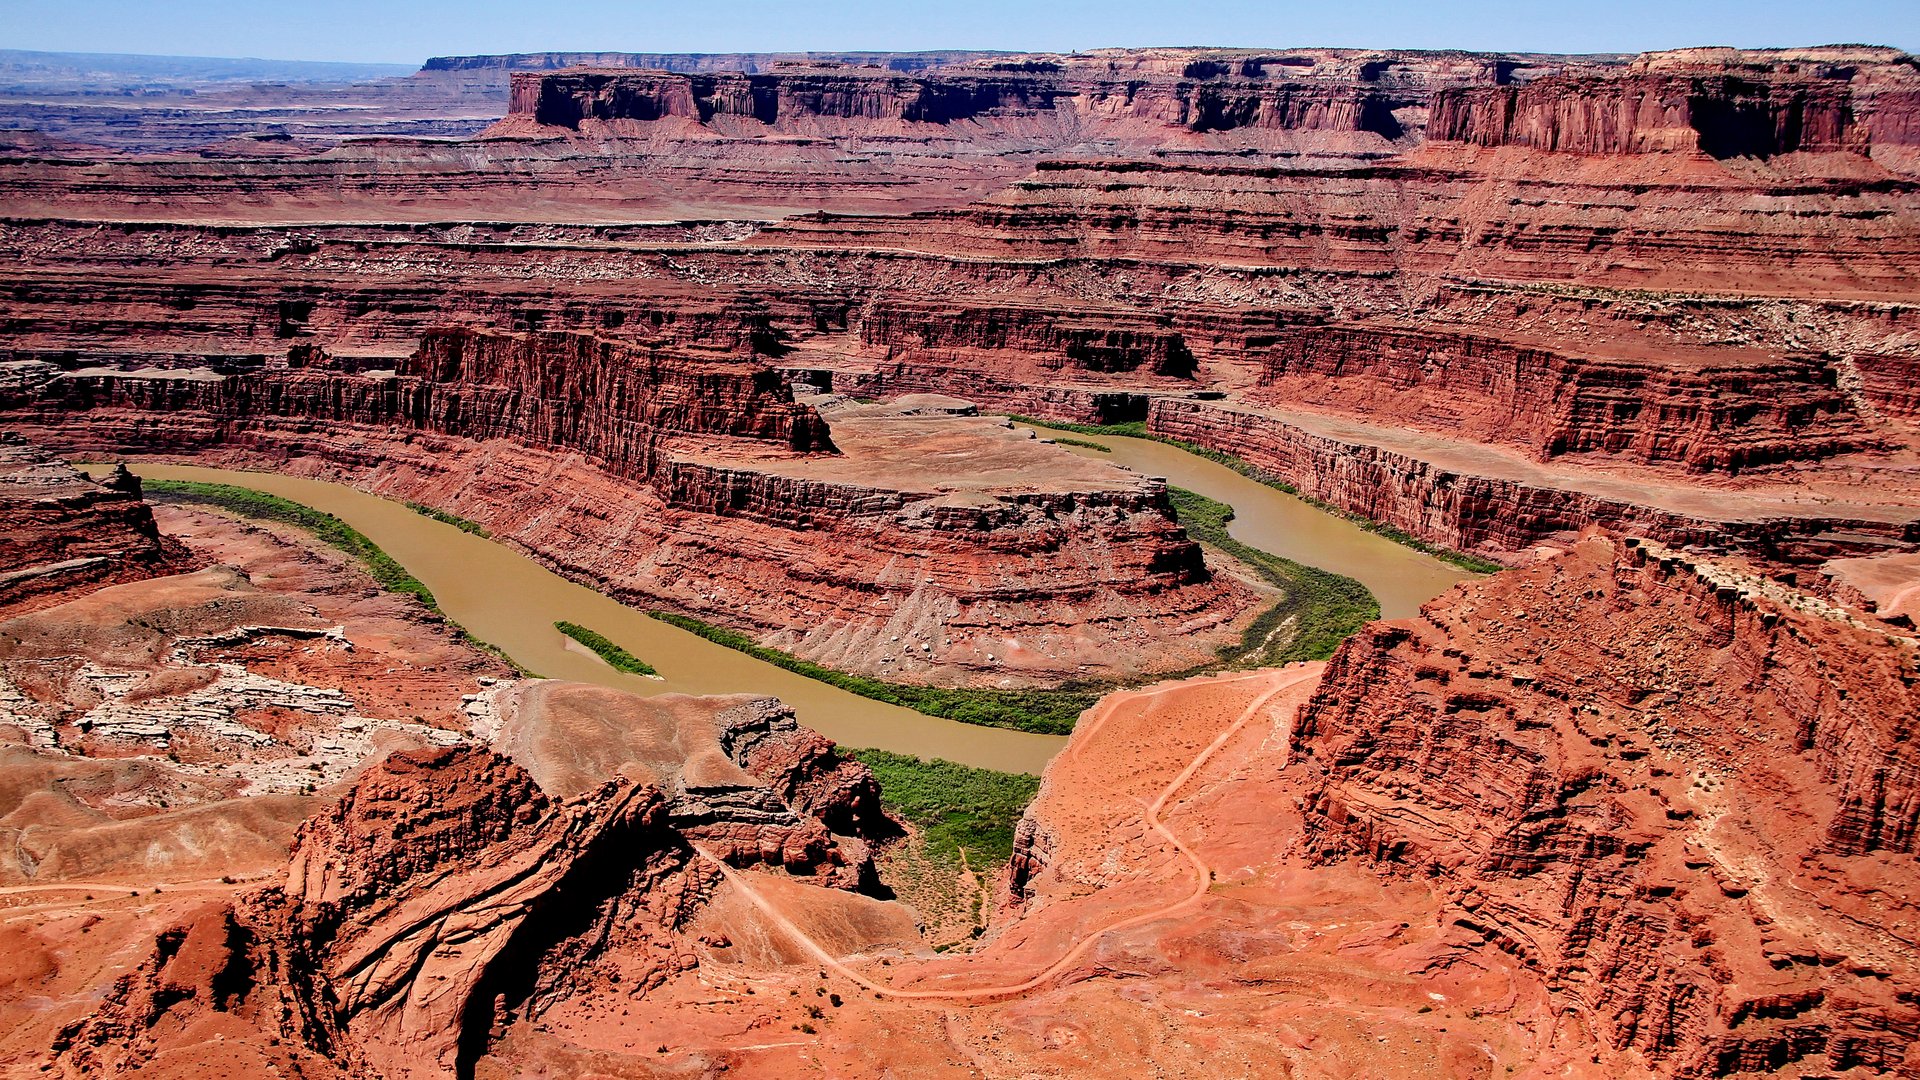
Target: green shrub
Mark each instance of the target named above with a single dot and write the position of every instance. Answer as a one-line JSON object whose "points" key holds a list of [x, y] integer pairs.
{"points": [[454, 520], [1326, 607], [1048, 711], [616, 657], [959, 810]]}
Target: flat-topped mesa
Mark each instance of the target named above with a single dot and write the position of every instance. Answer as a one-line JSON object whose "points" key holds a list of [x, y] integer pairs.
{"points": [[1680, 791], [1721, 103], [1048, 98], [62, 532]]}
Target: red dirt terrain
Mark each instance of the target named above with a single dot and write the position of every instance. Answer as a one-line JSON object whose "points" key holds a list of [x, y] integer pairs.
{"points": [[1681, 848]]}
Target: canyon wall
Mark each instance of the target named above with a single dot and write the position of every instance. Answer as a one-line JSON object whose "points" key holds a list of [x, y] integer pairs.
{"points": [[1486, 504], [1233, 245], [1670, 787], [62, 533], [714, 481], [1702, 411], [1723, 116], [1012, 103], [1716, 102], [560, 390]]}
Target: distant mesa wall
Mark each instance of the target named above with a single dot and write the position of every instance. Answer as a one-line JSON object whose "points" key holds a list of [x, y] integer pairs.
{"points": [[569, 99], [1749, 105], [1721, 115]]}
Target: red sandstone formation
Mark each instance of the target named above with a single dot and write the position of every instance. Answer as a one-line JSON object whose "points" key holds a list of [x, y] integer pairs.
{"points": [[1624, 812], [61, 532], [1717, 102], [1633, 809], [1627, 320], [1674, 789], [410, 906], [448, 893], [1620, 813]]}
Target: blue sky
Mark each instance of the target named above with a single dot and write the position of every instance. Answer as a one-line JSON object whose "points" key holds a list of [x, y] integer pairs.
{"points": [[406, 31]]}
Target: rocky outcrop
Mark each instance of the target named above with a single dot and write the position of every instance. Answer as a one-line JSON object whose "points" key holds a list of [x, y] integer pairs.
{"points": [[1671, 787], [62, 532], [804, 769], [443, 889], [449, 891], [740, 778]]}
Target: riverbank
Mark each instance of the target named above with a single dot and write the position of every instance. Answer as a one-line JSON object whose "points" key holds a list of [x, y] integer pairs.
{"points": [[1137, 430], [504, 597]]}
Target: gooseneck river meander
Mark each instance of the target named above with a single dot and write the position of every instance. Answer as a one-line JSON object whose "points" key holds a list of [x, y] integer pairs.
{"points": [[508, 599]]}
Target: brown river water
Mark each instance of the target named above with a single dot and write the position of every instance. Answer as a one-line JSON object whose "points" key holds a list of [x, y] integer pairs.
{"points": [[1272, 520], [505, 598]]}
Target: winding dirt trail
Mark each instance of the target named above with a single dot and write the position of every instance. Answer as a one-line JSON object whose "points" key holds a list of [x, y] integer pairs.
{"points": [[1202, 873]]}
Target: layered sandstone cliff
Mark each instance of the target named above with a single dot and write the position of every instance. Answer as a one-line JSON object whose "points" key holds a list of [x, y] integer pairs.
{"points": [[62, 533], [1677, 791], [1700, 411], [1715, 102]]}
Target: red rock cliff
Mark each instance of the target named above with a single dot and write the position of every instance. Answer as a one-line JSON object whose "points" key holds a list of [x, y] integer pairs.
{"points": [[61, 531], [1701, 411], [1682, 793]]}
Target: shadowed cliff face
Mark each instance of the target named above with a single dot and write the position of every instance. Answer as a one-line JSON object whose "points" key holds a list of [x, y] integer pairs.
{"points": [[1741, 105]]}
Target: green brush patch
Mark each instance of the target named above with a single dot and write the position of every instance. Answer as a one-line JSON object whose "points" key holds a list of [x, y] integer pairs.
{"points": [[454, 520], [1047, 712], [1325, 608], [616, 657], [961, 811]]}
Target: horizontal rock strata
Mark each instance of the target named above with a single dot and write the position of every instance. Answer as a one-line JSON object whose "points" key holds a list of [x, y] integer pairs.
{"points": [[62, 532]]}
